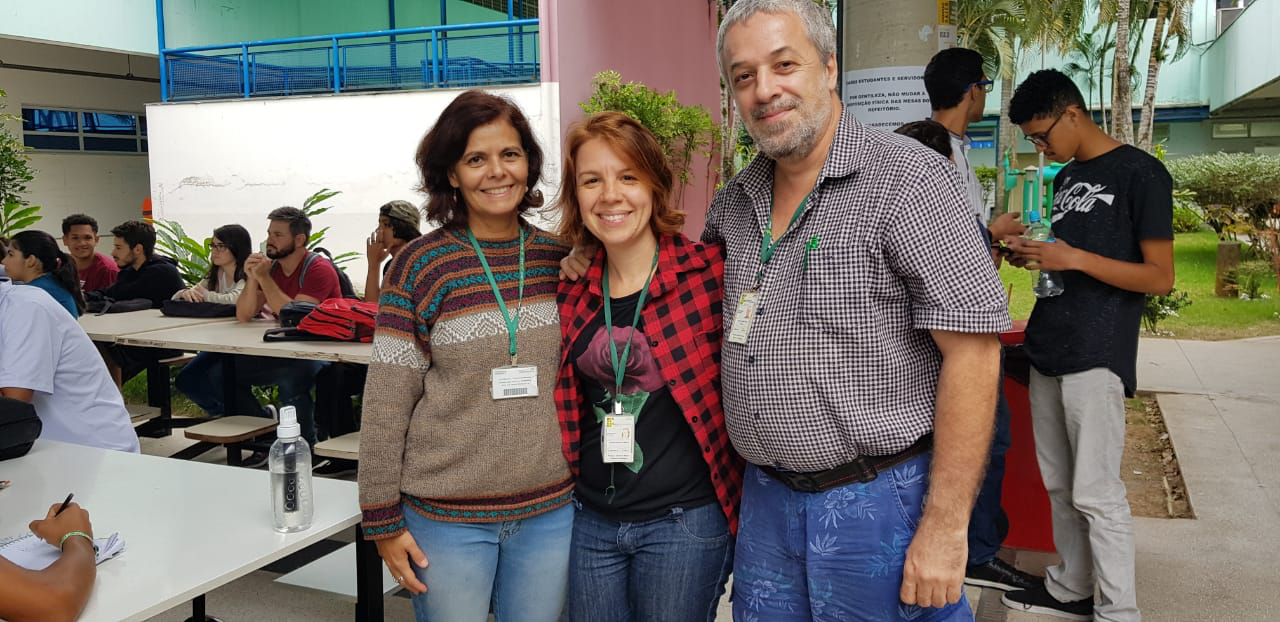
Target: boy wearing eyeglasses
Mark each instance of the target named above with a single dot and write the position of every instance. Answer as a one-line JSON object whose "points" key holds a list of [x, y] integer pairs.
{"points": [[1112, 219]]}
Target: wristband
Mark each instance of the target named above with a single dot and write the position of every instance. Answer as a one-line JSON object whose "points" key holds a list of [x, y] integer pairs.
{"points": [[62, 543]]}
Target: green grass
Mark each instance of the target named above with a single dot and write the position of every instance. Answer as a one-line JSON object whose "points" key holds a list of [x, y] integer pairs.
{"points": [[1208, 317]]}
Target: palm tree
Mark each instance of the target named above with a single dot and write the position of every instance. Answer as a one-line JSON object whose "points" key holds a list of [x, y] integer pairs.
{"points": [[1088, 54], [1006, 29], [1120, 11], [1171, 23], [988, 27]]}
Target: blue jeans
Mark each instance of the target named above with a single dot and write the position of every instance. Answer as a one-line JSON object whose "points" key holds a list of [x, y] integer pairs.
{"points": [[519, 567], [833, 555], [668, 568], [988, 525], [201, 380]]}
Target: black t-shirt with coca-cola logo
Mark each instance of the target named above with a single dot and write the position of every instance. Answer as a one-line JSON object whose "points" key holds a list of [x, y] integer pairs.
{"points": [[1107, 205]]}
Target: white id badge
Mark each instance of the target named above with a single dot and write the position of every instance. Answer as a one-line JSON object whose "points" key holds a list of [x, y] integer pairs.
{"points": [[743, 316], [513, 381], [618, 438]]}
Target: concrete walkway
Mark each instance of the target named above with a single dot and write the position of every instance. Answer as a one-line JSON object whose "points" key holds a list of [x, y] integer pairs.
{"points": [[1221, 404]]}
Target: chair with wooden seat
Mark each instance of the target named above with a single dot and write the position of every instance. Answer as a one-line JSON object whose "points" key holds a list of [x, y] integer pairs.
{"points": [[236, 433]]}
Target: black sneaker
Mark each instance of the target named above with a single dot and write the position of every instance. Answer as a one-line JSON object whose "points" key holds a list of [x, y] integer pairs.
{"points": [[334, 466], [256, 460], [1038, 600], [1000, 575]]}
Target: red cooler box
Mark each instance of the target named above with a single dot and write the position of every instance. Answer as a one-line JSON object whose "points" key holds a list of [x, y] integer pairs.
{"points": [[1024, 498]]}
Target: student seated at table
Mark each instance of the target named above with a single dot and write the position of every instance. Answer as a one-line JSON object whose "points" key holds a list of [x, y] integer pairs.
{"points": [[33, 258], [229, 248], [272, 281], [80, 236], [143, 274], [47, 359], [60, 591], [398, 224]]}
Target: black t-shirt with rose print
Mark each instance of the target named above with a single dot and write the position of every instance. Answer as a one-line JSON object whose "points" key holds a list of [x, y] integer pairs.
{"points": [[668, 470]]}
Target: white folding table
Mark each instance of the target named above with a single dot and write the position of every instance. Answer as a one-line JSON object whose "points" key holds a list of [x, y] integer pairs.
{"points": [[246, 338], [109, 327], [188, 527]]}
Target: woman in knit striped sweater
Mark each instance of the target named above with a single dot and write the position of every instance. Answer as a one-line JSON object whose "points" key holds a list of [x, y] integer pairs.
{"points": [[462, 481]]}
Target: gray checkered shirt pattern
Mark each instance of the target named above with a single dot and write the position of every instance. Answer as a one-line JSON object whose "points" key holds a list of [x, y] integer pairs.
{"points": [[839, 361]]}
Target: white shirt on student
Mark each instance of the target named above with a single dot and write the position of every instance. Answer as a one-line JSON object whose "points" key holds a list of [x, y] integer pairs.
{"points": [[969, 175], [44, 349]]}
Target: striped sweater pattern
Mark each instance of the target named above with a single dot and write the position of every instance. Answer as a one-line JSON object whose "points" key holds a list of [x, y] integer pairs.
{"points": [[432, 438]]}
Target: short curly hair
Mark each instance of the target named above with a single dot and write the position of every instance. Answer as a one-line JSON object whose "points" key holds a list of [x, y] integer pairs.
{"points": [[445, 143], [1045, 93]]}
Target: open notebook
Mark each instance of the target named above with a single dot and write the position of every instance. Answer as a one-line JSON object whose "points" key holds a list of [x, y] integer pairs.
{"points": [[32, 553]]}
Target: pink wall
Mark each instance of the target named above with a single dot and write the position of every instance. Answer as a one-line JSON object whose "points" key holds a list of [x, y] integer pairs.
{"points": [[665, 44]]}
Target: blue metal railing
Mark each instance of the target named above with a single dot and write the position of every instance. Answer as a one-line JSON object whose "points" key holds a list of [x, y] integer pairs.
{"points": [[462, 55]]}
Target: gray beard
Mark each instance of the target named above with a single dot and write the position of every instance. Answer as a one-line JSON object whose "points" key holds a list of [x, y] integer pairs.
{"points": [[799, 142]]}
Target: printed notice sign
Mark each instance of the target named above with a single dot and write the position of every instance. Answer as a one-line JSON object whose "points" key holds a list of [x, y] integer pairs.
{"points": [[886, 97]]}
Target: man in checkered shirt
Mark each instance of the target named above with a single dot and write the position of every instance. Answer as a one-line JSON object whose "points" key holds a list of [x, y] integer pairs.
{"points": [[862, 388]]}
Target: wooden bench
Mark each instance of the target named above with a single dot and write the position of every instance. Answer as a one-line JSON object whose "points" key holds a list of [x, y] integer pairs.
{"points": [[345, 447], [231, 432], [139, 414]]}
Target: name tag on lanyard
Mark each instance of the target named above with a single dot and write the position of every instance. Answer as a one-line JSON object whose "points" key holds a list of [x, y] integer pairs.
{"points": [[512, 381], [744, 315], [618, 436]]}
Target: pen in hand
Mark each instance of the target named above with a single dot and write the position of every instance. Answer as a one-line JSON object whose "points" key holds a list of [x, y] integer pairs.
{"points": [[65, 503]]}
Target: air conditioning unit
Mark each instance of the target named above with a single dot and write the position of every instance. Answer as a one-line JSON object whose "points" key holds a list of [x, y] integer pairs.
{"points": [[1227, 16]]}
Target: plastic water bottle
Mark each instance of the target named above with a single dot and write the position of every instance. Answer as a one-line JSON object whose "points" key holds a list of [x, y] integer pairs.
{"points": [[1044, 283], [290, 465]]}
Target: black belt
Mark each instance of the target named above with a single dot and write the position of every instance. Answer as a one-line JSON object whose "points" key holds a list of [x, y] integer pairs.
{"points": [[862, 470]]}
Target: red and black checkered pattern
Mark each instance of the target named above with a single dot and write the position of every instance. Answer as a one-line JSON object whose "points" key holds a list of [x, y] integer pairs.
{"points": [[683, 320]]}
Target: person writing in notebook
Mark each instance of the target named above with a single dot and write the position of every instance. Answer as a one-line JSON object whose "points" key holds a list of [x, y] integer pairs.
{"points": [[60, 591]]}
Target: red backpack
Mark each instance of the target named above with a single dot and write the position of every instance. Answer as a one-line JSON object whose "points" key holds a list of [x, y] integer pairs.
{"points": [[341, 319]]}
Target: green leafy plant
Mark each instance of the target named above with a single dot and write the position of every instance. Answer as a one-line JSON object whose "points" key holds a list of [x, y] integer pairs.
{"points": [[16, 213], [1187, 216], [192, 254], [682, 131], [1238, 190], [1158, 308], [1250, 276], [311, 207]]}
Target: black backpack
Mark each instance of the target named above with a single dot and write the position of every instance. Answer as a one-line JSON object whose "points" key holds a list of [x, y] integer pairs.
{"points": [[19, 428], [344, 282]]}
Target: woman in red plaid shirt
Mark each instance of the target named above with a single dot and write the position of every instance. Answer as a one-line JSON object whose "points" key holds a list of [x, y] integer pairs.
{"points": [[638, 391]]}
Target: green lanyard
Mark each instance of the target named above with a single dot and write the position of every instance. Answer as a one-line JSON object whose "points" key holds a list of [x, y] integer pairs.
{"points": [[513, 323], [768, 244], [620, 364]]}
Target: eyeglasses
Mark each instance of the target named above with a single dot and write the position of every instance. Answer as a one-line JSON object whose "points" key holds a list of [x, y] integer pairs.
{"points": [[217, 246], [1042, 139], [986, 85]]}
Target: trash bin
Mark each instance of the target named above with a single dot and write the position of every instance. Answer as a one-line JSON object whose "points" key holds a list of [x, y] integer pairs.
{"points": [[1024, 499]]}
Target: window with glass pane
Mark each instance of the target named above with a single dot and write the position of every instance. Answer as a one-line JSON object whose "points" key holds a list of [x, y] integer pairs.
{"points": [[109, 123], [43, 120], [99, 143], [60, 142]]}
